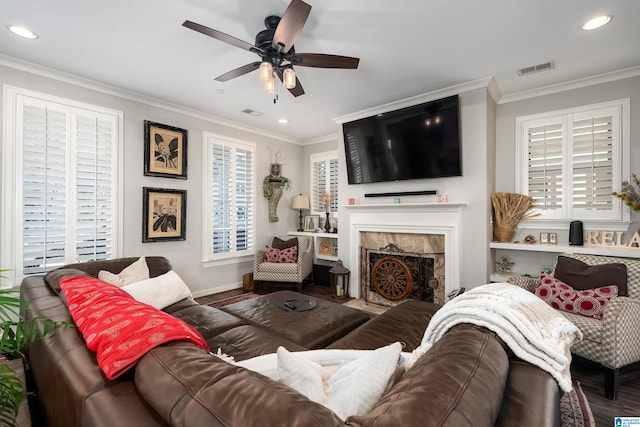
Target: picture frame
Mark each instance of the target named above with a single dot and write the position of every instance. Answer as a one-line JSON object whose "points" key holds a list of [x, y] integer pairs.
{"points": [[165, 151], [326, 248], [311, 222], [553, 238], [164, 214], [544, 238]]}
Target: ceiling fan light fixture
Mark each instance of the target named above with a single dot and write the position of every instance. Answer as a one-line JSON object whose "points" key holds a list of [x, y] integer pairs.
{"points": [[266, 72], [289, 78], [270, 86]]}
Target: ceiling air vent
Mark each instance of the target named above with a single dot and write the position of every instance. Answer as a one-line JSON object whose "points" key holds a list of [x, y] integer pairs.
{"points": [[535, 68], [251, 112]]}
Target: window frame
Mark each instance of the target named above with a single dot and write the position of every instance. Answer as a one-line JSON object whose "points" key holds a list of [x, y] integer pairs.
{"points": [[11, 249], [619, 218], [209, 259], [327, 157]]}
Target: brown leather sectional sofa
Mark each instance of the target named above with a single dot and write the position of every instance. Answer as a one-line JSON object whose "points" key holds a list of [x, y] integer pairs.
{"points": [[468, 378]]}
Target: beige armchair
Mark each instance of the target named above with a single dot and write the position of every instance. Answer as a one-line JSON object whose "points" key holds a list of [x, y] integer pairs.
{"points": [[614, 341], [285, 272]]}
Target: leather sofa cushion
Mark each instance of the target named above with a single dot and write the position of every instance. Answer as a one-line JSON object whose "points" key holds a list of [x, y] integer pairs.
{"points": [[405, 323], [581, 276], [468, 366], [209, 321], [531, 396], [247, 341], [53, 277], [188, 386]]}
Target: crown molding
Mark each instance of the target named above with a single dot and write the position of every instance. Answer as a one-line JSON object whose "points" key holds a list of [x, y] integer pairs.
{"points": [[318, 140], [483, 83], [75, 80], [570, 85]]}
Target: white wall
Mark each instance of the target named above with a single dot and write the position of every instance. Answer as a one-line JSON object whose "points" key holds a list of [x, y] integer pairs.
{"points": [[185, 255], [477, 112], [507, 112]]}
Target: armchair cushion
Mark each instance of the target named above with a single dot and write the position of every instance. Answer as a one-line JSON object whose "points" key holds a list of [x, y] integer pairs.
{"points": [[580, 275], [289, 255], [561, 296], [278, 243]]}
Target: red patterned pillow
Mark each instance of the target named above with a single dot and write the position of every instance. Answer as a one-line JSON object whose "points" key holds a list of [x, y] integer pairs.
{"points": [[559, 295], [289, 255]]}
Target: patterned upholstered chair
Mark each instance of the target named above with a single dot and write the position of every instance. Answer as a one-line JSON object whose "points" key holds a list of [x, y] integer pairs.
{"points": [[614, 341], [285, 272]]}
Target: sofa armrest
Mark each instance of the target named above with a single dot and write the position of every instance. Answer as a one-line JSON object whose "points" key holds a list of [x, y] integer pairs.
{"points": [[526, 283], [620, 330], [305, 262]]}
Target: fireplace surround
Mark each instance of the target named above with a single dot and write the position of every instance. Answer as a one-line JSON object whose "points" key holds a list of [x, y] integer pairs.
{"points": [[416, 228]]}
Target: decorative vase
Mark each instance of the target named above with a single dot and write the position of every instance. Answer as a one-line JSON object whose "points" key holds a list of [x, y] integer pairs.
{"points": [[503, 234], [327, 224]]}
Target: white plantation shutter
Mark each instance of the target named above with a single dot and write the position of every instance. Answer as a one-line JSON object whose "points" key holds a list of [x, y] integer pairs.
{"points": [[94, 187], [231, 195], [544, 163], [64, 167], [324, 178], [593, 162], [44, 188], [573, 161]]}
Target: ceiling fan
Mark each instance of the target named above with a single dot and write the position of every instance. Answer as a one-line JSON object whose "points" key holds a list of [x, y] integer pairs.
{"points": [[275, 48]]}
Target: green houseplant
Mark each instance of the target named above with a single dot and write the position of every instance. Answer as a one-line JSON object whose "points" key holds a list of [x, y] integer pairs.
{"points": [[16, 333]]}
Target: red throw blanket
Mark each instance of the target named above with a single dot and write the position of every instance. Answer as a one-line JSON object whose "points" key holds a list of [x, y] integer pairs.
{"points": [[117, 327]]}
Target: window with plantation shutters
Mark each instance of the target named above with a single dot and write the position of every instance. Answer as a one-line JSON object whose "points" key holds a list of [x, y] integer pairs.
{"points": [[570, 161], [324, 179], [63, 166], [230, 195]]}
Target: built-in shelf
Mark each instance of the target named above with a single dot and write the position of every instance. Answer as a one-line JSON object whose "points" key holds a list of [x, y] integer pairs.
{"points": [[531, 259], [318, 240], [591, 250]]}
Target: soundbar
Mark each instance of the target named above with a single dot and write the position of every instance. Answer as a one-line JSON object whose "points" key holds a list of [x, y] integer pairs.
{"points": [[403, 193]]}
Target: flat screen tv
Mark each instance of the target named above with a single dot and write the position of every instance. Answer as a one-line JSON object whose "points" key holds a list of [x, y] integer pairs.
{"points": [[422, 141]]}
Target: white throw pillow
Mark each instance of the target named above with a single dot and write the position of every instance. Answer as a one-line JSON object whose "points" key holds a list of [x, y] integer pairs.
{"points": [[350, 389], [133, 273], [160, 291]]}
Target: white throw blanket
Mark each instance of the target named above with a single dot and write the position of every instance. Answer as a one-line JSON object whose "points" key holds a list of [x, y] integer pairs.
{"points": [[533, 330]]}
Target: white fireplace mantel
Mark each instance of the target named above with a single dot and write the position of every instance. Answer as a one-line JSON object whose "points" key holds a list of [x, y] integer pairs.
{"points": [[417, 218], [448, 206]]}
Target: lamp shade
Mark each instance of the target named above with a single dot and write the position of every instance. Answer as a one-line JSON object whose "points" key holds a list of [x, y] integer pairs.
{"points": [[300, 202]]}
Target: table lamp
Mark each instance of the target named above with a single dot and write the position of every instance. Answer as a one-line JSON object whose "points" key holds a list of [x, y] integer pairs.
{"points": [[300, 202]]}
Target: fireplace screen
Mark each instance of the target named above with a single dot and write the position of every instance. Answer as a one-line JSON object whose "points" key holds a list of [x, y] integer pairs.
{"points": [[395, 275]]}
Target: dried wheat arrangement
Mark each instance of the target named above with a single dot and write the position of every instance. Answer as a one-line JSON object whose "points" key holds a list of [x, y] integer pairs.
{"points": [[512, 208]]}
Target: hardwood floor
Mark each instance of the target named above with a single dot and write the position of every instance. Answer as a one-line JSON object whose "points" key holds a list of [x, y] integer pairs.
{"points": [[590, 377], [604, 410]]}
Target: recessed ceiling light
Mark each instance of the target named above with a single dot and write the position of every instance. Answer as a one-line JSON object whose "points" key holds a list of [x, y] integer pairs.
{"points": [[283, 121], [22, 32], [597, 22]]}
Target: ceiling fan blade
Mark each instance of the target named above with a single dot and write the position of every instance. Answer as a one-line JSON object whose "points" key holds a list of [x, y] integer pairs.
{"points": [[322, 60], [291, 24], [218, 35], [297, 90], [240, 71]]}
